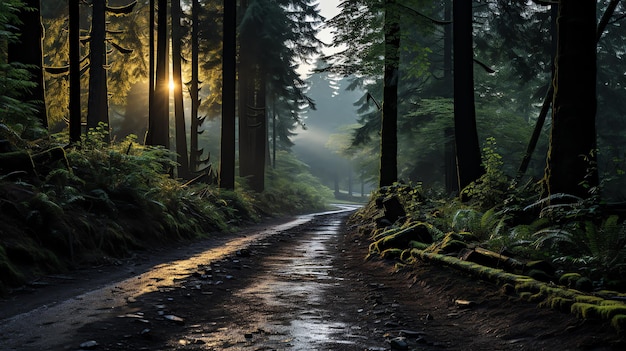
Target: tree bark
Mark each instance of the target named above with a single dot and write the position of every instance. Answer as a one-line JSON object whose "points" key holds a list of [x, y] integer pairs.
{"points": [[75, 125], [194, 153], [98, 105], [451, 175], [229, 78], [158, 126], [389, 124], [252, 116], [608, 13], [179, 110], [571, 165], [469, 164], [151, 71]]}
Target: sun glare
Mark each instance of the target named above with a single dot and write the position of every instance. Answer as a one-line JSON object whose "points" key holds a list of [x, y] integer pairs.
{"points": [[171, 85]]}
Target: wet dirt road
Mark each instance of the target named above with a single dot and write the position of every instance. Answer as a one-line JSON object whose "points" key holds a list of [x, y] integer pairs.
{"points": [[275, 289]]}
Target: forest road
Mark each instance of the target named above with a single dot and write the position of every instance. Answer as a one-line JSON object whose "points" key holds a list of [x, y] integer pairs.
{"points": [[296, 285], [269, 289]]}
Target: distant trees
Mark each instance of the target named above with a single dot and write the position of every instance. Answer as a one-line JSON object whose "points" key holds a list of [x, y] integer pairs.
{"points": [[271, 36], [411, 80], [508, 33]]}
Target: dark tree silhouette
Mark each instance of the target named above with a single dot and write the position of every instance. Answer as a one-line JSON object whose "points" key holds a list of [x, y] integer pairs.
{"points": [[229, 76], [571, 167], [97, 105], [389, 125], [194, 88], [151, 69], [467, 146], [75, 123], [179, 109], [158, 124]]}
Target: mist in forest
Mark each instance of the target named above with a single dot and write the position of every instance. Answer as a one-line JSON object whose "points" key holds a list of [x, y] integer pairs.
{"points": [[327, 130]]}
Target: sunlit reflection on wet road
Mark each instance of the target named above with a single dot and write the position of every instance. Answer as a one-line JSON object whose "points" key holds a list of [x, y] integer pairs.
{"points": [[291, 315], [290, 285]]}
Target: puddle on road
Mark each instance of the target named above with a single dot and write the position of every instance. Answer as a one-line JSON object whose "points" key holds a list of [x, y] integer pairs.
{"points": [[288, 296]]}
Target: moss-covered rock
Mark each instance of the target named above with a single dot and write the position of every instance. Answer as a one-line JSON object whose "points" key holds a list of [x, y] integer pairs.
{"points": [[569, 279], [540, 275], [400, 238], [619, 323]]}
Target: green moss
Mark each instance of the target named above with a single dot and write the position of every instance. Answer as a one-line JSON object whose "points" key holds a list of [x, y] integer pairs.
{"points": [[589, 299], [525, 295], [569, 279], [557, 303], [619, 323], [537, 297], [466, 237], [417, 245], [527, 286], [401, 238], [609, 311], [585, 310], [539, 275], [391, 254]]}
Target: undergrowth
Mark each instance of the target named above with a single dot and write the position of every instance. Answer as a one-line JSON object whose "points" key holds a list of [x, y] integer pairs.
{"points": [[98, 200], [567, 233]]}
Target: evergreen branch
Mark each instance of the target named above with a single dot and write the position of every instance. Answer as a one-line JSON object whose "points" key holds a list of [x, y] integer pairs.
{"points": [[121, 49], [121, 10], [57, 70], [484, 66], [433, 20]]}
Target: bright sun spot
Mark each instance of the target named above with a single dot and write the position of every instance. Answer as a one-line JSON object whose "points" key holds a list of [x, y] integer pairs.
{"points": [[171, 85]]}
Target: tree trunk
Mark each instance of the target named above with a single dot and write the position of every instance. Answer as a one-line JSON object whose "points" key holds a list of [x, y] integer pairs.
{"points": [[98, 105], [179, 110], [194, 88], [75, 125], [158, 126], [467, 146], [448, 80], [151, 58], [608, 13], [451, 174], [28, 50], [257, 122], [229, 79], [389, 125], [252, 116], [571, 166]]}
